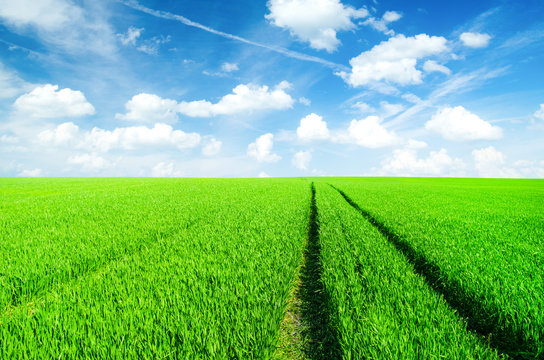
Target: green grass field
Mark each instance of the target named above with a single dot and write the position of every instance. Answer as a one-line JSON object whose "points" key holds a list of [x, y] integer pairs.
{"points": [[301, 268]]}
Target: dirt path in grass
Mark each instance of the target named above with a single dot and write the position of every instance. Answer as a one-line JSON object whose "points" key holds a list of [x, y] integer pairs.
{"points": [[306, 331]]}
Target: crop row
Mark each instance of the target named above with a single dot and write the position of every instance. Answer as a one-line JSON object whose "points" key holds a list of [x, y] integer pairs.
{"points": [[382, 308], [186, 275], [479, 242], [179, 268]]}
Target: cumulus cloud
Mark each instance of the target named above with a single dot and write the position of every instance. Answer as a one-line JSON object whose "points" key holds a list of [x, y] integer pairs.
{"points": [[44, 14], [212, 147], [63, 134], [261, 149], [127, 138], [49, 102], [262, 174], [150, 108], [406, 162], [302, 159], [89, 162], [381, 24], [229, 67], [391, 16], [491, 163], [164, 169], [368, 133], [312, 127], [527, 168], [244, 98], [130, 37], [316, 22], [30, 173], [459, 124], [539, 114], [433, 66], [394, 60], [62, 23], [475, 40]]}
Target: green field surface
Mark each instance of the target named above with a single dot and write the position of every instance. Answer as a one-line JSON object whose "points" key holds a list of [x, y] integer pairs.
{"points": [[479, 242], [148, 268], [294, 268]]}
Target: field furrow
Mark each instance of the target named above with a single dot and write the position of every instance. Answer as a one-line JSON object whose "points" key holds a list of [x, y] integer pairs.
{"points": [[216, 290], [382, 308], [313, 268], [485, 268], [308, 331]]}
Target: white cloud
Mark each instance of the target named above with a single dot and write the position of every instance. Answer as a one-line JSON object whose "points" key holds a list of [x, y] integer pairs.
{"points": [[390, 109], [539, 114], [89, 162], [127, 138], [261, 149], [368, 133], [30, 173], [363, 107], [163, 169], [381, 24], [302, 159], [316, 22], [244, 98], [262, 174], [304, 101], [44, 14], [49, 102], [405, 162], [475, 40], [459, 124], [490, 163], [414, 99], [150, 108], [212, 147], [530, 169], [312, 127], [385, 110], [132, 34], [63, 134], [63, 24], [229, 67], [151, 46], [394, 60], [131, 138], [7, 139], [433, 66], [391, 16], [11, 84]]}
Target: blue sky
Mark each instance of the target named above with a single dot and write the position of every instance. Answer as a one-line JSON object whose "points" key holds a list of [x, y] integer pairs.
{"points": [[271, 88]]}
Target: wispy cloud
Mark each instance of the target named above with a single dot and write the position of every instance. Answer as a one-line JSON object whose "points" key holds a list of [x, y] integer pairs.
{"points": [[182, 19], [11, 46], [456, 84], [523, 39]]}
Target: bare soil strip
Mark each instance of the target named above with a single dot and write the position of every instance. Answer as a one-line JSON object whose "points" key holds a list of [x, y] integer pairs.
{"points": [[307, 331]]}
